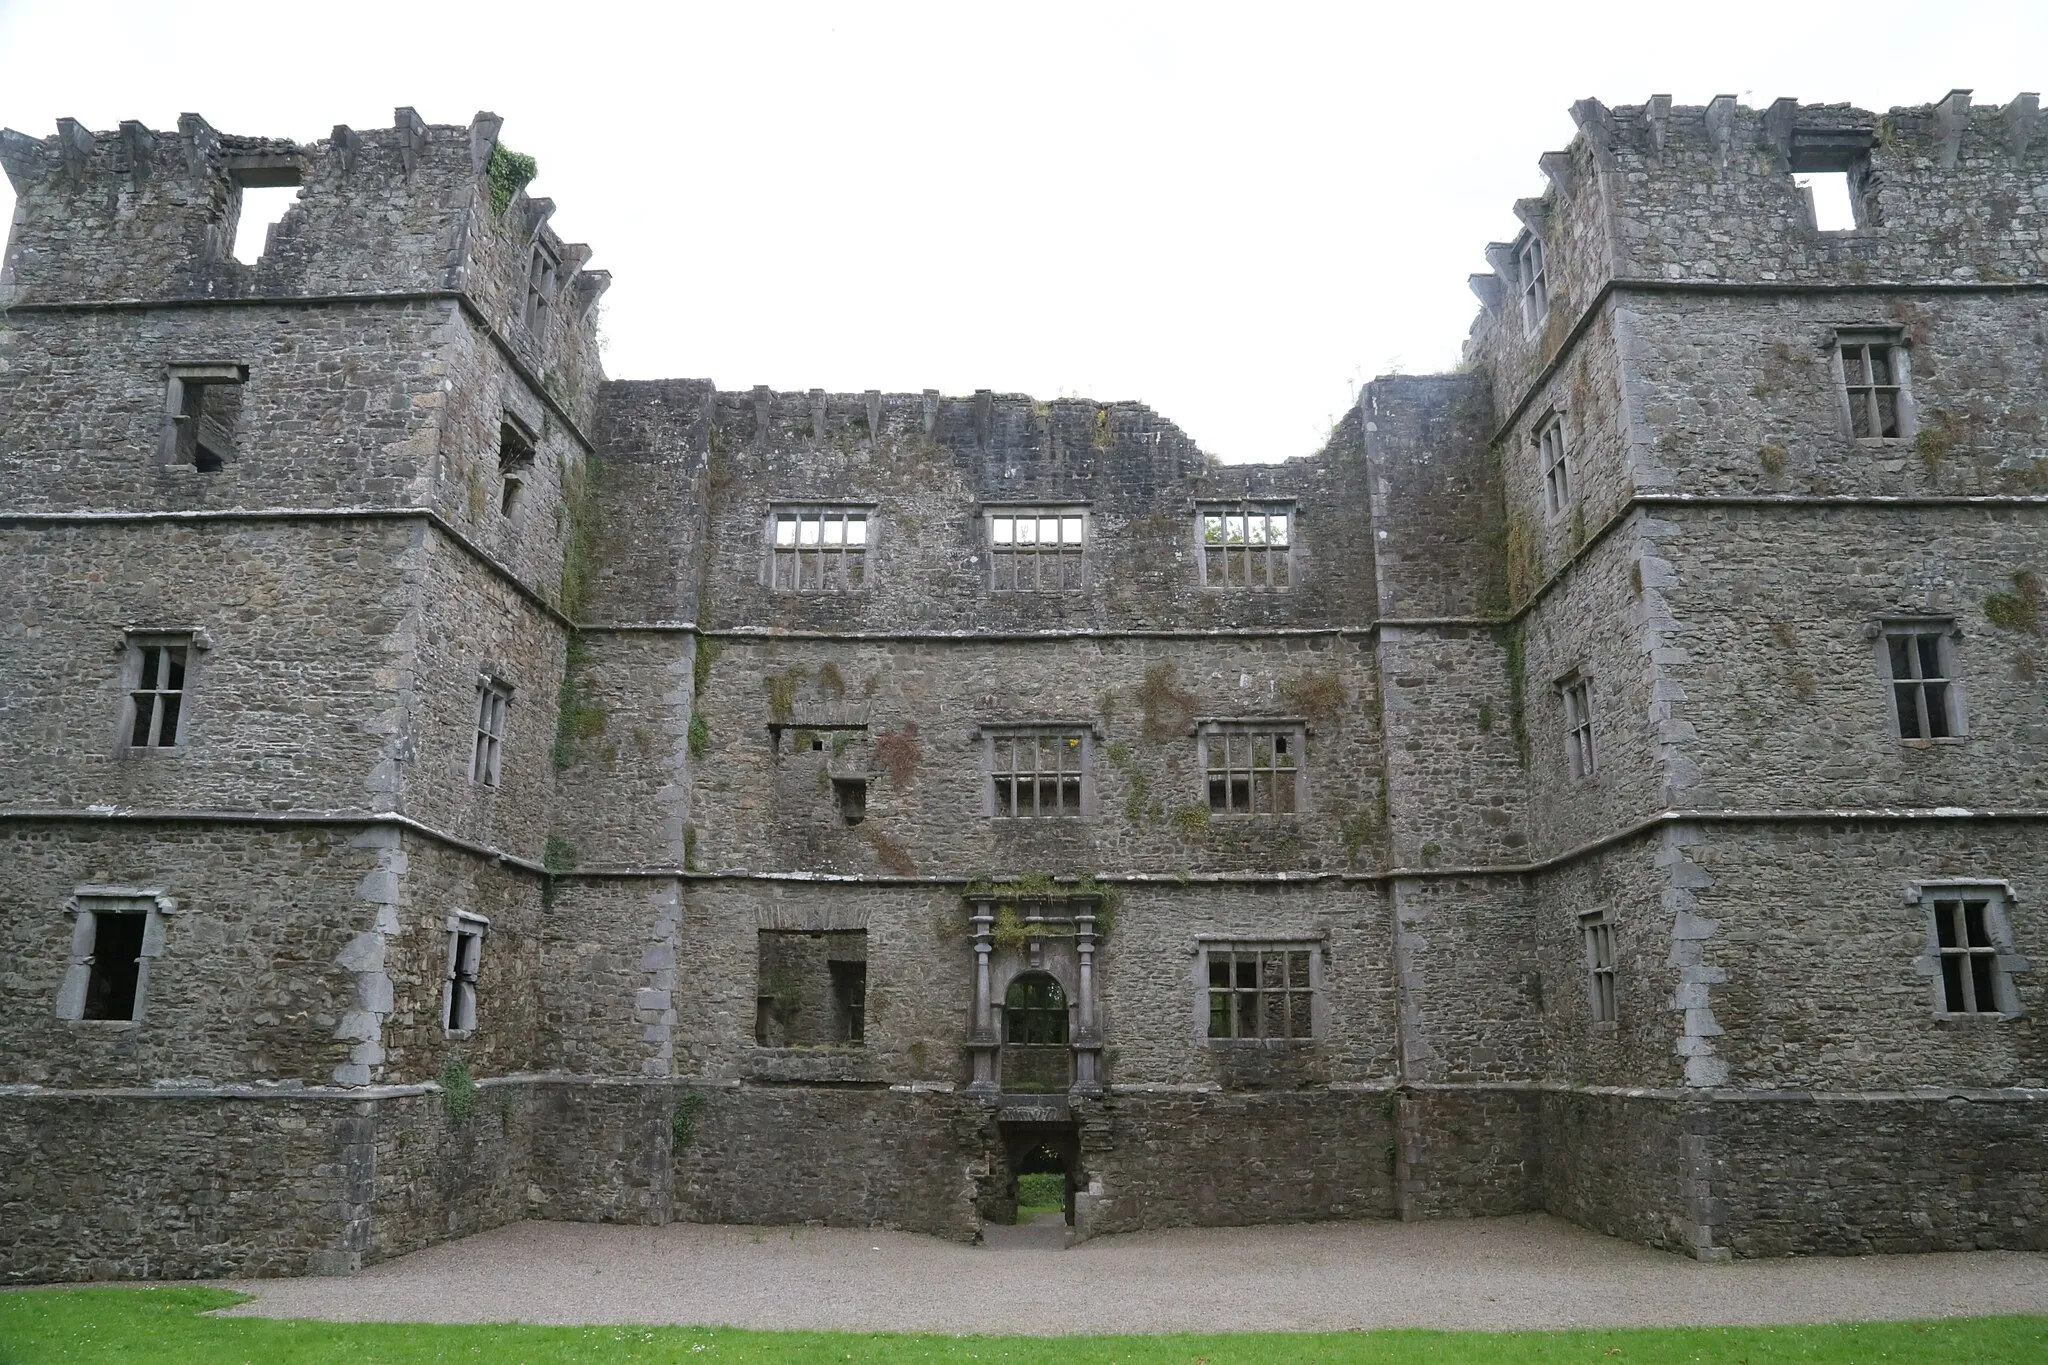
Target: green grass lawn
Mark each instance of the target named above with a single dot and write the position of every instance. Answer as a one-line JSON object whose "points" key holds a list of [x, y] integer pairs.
{"points": [[1043, 1192], [166, 1325]]}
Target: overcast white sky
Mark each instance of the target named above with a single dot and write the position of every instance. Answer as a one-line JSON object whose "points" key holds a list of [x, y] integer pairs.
{"points": [[1231, 213]]}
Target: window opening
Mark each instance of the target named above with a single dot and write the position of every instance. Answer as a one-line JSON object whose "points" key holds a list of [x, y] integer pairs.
{"points": [[540, 288], [1247, 545], [157, 699], [262, 206], [823, 550], [465, 960], [812, 988], [515, 458], [1037, 774], [1830, 204], [1871, 369], [1599, 936], [852, 794], [1969, 958], [1923, 700], [1557, 477], [1035, 1011], [1252, 771], [1578, 725], [1033, 550], [493, 704], [116, 964], [1535, 285], [204, 408], [1261, 991]]}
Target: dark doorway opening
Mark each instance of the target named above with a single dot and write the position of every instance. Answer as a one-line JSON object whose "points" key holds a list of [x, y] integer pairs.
{"points": [[1044, 1171]]}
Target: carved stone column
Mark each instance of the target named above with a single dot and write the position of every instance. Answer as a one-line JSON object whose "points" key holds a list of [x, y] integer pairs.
{"points": [[1087, 1037], [981, 1038]]}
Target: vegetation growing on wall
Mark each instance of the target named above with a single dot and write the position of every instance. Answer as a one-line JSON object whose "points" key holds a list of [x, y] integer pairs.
{"points": [[1525, 561], [508, 172], [782, 691], [2020, 609], [578, 509], [1192, 821], [682, 1121], [1318, 696], [1514, 645], [458, 1092], [579, 716], [896, 750], [890, 854], [1168, 711], [1043, 886]]}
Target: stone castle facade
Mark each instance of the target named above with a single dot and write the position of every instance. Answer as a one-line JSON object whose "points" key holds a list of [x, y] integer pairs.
{"points": [[443, 786]]}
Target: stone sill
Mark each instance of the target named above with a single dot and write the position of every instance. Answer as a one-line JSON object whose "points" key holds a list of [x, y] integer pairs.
{"points": [[1977, 1017], [1262, 1044], [113, 1024]]}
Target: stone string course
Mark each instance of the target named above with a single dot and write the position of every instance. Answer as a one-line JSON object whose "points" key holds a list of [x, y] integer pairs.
{"points": [[681, 736]]}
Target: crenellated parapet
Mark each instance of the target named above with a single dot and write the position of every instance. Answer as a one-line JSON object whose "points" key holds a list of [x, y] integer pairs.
{"points": [[143, 214]]}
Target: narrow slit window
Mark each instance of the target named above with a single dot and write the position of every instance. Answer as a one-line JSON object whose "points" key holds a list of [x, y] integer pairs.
{"points": [[116, 964], [156, 698], [1924, 701], [1872, 374], [1252, 770], [1036, 550], [1557, 476], [1247, 545], [493, 705], [1261, 990], [515, 463], [819, 550], [1535, 285], [1577, 694], [465, 962], [1599, 942], [1966, 936], [1037, 773]]}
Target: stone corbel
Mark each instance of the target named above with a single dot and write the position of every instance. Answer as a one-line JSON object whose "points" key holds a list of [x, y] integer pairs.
{"points": [[2021, 118], [23, 157], [74, 144], [348, 144], [590, 287], [1501, 256], [202, 144], [1776, 131], [1596, 125], [1720, 120], [1657, 113], [141, 145], [412, 137], [538, 211], [1952, 115], [1487, 288], [483, 139], [1535, 216]]}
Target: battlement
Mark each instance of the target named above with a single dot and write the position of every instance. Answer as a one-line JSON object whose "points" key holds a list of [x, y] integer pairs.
{"points": [[144, 214]]}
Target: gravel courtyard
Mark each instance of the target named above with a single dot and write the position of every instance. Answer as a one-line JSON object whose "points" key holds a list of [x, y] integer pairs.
{"points": [[1522, 1272]]}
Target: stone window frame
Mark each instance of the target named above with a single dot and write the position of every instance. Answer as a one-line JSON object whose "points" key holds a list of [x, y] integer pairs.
{"points": [[836, 555], [134, 641], [1554, 462], [987, 735], [85, 904], [492, 721], [1265, 557], [517, 447], [2006, 959], [1575, 701], [1075, 565], [543, 271], [1882, 630], [1899, 345], [1532, 281], [185, 384], [1295, 728], [1603, 1001], [459, 995], [1315, 945]]}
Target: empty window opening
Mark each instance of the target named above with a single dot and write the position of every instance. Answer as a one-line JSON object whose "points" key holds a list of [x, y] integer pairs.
{"points": [[514, 496], [1033, 550], [465, 961], [1252, 771], [1037, 773], [1830, 201], [1261, 991], [1557, 474], [262, 206], [541, 272], [1872, 382], [1247, 545], [1578, 725], [1917, 656], [852, 795], [819, 549], [1535, 285], [203, 409], [1599, 939], [493, 704], [1966, 934], [813, 988], [1035, 1011], [156, 694], [116, 964]]}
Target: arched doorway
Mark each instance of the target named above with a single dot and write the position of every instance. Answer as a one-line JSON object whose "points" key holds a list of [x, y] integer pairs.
{"points": [[1035, 1052]]}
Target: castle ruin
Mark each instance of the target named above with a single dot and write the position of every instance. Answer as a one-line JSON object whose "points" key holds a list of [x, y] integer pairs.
{"points": [[442, 786]]}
